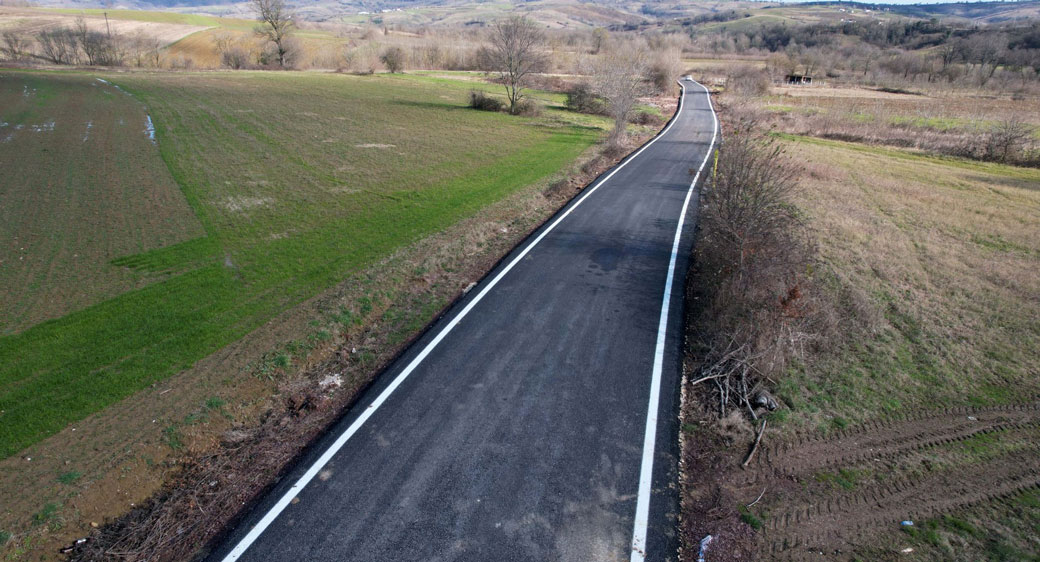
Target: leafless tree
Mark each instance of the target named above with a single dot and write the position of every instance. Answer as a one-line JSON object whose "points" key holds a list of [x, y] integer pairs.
{"points": [[664, 69], [618, 79], [232, 55], [1006, 139], [100, 48], [514, 54], [59, 45], [276, 26], [15, 45], [393, 59], [599, 39]]}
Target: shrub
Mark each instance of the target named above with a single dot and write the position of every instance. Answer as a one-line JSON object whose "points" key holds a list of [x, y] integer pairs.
{"points": [[751, 267], [480, 100], [393, 59], [234, 58], [1006, 140], [663, 71], [582, 99], [527, 108], [747, 81], [645, 117]]}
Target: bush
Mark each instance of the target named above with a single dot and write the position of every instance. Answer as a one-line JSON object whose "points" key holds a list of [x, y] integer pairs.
{"points": [[663, 71], [645, 117], [1006, 140], [234, 58], [751, 268], [582, 99], [747, 81], [480, 100], [393, 59], [527, 108]]}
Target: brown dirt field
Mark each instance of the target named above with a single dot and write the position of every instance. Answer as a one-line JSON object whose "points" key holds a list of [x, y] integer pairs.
{"points": [[31, 21]]}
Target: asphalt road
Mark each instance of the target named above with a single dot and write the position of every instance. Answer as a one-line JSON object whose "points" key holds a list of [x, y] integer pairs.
{"points": [[516, 428]]}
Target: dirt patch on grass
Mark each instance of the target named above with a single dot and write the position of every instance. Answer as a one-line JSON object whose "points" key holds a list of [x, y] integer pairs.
{"points": [[243, 203], [835, 495]]}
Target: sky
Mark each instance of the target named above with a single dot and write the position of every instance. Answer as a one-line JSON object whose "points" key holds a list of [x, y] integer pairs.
{"points": [[903, 2]]}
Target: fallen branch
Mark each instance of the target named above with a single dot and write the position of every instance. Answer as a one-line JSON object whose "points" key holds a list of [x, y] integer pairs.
{"points": [[755, 447], [756, 499]]}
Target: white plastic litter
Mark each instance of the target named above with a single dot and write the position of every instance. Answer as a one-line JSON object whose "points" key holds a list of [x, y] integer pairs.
{"points": [[704, 548]]}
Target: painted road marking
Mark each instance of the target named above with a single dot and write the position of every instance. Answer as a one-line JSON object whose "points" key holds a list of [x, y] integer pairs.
{"points": [[647, 468]]}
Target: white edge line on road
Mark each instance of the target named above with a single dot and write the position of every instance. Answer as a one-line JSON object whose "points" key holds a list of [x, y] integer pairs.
{"points": [[283, 502], [647, 468]]}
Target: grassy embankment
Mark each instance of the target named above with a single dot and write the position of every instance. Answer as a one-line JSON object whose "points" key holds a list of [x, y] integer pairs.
{"points": [[297, 181]]}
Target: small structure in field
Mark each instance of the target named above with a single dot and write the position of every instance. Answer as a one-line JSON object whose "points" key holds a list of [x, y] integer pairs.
{"points": [[798, 79]]}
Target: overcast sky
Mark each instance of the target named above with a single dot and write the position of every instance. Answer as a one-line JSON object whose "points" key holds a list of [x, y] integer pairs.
{"points": [[897, 1]]}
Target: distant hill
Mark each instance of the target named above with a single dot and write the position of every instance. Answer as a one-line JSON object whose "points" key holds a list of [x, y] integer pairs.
{"points": [[980, 12], [555, 13]]}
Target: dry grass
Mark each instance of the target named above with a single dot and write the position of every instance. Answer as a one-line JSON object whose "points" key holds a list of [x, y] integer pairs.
{"points": [[935, 262]]}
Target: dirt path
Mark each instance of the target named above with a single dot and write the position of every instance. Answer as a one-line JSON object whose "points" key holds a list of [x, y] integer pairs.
{"points": [[826, 495]]}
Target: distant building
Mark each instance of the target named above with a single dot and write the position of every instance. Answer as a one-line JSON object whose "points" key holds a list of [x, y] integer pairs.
{"points": [[798, 79]]}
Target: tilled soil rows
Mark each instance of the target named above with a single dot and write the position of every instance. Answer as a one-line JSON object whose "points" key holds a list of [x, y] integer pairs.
{"points": [[828, 495]]}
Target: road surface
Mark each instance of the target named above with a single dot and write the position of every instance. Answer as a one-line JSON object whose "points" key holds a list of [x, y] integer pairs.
{"points": [[535, 421]]}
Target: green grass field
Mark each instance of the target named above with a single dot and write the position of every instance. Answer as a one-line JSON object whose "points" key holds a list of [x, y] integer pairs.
{"points": [[297, 180], [104, 193]]}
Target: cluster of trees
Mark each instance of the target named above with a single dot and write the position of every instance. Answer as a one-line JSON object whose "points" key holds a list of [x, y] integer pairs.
{"points": [[80, 45], [923, 49], [621, 72]]}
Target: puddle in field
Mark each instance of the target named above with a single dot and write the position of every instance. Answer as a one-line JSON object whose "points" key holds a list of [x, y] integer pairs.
{"points": [[106, 82], [375, 145], [44, 128], [86, 134], [149, 128], [27, 91]]}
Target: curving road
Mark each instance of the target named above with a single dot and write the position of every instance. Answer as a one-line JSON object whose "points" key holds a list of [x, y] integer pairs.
{"points": [[524, 424]]}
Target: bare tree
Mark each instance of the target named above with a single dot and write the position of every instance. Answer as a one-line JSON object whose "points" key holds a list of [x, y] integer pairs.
{"points": [[14, 45], [393, 59], [618, 78], [232, 55], [1006, 139], [599, 39], [664, 68], [101, 49], [59, 45], [276, 25], [515, 55]]}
